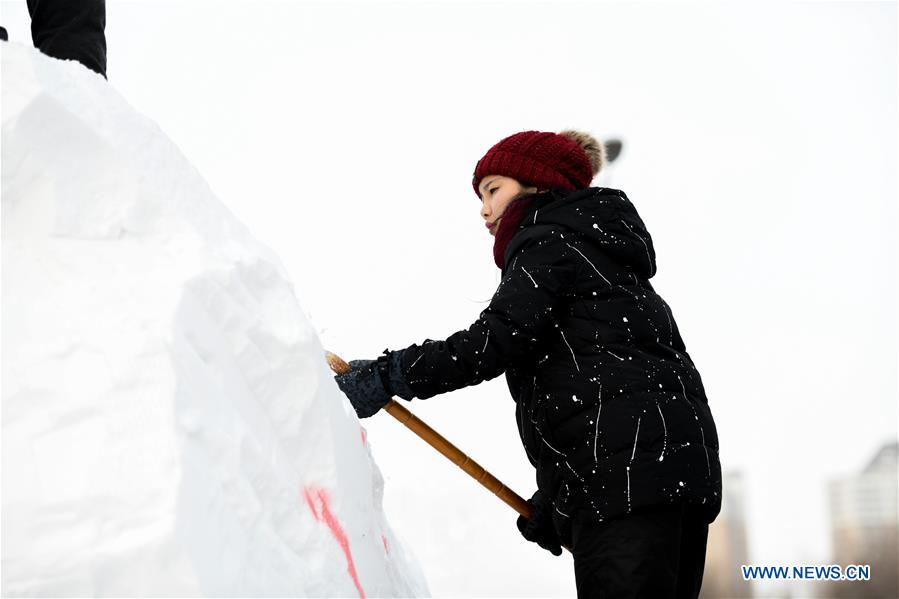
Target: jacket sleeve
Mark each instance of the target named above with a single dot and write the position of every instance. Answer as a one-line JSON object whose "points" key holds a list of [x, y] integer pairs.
{"points": [[536, 279]]}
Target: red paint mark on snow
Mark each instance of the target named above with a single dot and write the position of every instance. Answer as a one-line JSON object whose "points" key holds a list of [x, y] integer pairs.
{"points": [[311, 504], [311, 493], [362, 430], [386, 548]]}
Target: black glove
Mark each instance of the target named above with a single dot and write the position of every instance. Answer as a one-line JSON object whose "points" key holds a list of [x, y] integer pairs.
{"points": [[539, 528], [366, 386]]}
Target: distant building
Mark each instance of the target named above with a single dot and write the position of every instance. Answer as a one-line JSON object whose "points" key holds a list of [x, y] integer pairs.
{"points": [[727, 546], [864, 517]]}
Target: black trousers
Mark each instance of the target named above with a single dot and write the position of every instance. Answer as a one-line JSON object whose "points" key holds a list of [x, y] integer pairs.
{"points": [[71, 30], [656, 552]]}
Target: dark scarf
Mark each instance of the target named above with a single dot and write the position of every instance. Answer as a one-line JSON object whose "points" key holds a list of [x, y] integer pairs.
{"points": [[508, 226]]}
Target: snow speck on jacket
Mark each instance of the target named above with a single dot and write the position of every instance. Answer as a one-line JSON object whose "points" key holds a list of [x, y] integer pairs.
{"points": [[610, 407]]}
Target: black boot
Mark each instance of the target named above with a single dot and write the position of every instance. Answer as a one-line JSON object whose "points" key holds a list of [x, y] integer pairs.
{"points": [[71, 30]]}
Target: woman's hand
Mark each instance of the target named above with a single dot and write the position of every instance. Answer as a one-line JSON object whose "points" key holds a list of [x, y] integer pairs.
{"points": [[364, 386], [539, 528]]}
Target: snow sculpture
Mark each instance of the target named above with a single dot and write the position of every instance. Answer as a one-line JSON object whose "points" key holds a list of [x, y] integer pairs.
{"points": [[170, 425]]}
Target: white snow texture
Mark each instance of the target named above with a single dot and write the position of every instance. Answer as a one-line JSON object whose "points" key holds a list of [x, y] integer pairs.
{"points": [[170, 426]]}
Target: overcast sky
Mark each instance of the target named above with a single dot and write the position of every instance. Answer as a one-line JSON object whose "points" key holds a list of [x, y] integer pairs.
{"points": [[760, 150]]}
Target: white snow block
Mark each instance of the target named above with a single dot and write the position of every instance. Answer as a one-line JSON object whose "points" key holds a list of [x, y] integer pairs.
{"points": [[169, 424]]}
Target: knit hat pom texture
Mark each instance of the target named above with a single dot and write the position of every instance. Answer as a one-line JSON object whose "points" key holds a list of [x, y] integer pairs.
{"points": [[594, 150]]}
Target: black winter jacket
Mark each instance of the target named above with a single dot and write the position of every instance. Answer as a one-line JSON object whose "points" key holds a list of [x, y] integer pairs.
{"points": [[610, 407]]}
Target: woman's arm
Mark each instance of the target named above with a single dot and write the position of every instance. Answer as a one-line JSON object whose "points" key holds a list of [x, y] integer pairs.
{"points": [[535, 281]]}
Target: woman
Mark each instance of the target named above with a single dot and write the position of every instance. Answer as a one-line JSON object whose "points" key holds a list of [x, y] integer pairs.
{"points": [[610, 407]]}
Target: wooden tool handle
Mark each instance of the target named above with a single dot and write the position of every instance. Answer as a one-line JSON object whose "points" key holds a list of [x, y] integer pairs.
{"points": [[438, 442]]}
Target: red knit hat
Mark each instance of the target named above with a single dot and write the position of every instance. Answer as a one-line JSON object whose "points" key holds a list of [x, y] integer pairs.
{"points": [[544, 160]]}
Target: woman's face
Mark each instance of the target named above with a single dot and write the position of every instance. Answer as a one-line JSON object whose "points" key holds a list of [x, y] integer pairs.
{"points": [[497, 192]]}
